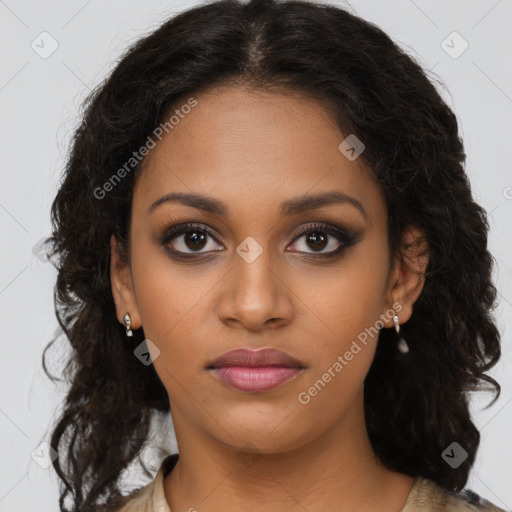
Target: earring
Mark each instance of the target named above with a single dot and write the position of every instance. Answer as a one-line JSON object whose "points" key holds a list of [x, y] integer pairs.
{"points": [[402, 344], [397, 325], [128, 323]]}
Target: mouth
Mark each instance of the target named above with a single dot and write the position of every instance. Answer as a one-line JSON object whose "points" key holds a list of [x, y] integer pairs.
{"points": [[256, 371], [256, 358]]}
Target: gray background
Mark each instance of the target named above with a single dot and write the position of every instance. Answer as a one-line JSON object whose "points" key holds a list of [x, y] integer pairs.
{"points": [[40, 99]]}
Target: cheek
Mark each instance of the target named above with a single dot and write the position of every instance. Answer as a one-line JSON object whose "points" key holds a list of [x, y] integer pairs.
{"points": [[167, 299], [341, 358], [344, 300], [344, 327]]}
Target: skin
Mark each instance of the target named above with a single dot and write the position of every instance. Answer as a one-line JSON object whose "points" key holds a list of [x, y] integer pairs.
{"points": [[265, 451]]}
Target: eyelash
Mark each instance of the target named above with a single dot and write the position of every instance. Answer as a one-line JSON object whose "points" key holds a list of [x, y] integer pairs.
{"points": [[343, 235]]}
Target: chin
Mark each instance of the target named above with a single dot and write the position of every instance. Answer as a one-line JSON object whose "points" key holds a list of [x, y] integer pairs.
{"points": [[266, 432]]}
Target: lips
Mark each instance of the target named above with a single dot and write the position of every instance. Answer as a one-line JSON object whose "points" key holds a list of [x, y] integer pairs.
{"points": [[255, 371], [256, 358]]}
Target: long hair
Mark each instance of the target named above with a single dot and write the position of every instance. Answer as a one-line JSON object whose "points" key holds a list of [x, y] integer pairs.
{"points": [[416, 404]]}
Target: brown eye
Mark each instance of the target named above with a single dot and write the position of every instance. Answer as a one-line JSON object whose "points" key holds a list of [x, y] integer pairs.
{"points": [[322, 239], [317, 240], [194, 240], [190, 239]]}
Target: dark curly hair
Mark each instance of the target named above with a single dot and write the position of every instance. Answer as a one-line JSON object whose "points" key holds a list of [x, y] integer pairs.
{"points": [[416, 403]]}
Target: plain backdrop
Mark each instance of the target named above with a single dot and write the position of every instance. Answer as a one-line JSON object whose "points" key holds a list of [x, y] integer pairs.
{"points": [[466, 43]]}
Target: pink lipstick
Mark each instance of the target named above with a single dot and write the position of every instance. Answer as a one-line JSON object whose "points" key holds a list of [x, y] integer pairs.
{"points": [[255, 371]]}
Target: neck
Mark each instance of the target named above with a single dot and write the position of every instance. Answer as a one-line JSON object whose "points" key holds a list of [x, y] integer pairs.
{"points": [[338, 471]]}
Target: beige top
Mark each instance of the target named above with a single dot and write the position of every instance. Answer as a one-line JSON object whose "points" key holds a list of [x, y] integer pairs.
{"points": [[425, 496]]}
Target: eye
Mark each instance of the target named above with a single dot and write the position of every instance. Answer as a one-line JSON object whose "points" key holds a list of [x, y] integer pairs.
{"points": [[321, 236], [189, 239]]}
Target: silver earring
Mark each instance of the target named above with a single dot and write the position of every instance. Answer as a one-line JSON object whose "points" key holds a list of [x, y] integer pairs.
{"points": [[397, 325], [402, 344], [128, 323]]}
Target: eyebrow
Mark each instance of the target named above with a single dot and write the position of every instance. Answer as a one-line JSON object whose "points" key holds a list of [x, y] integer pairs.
{"points": [[288, 207]]}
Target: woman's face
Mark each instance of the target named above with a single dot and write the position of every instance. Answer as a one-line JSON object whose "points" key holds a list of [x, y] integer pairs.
{"points": [[256, 281]]}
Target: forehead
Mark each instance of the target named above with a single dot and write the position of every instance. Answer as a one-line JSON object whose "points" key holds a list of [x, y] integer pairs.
{"points": [[251, 148]]}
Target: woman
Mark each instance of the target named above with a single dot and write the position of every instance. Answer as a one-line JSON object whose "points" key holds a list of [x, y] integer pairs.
{"points": [[265, 230]]}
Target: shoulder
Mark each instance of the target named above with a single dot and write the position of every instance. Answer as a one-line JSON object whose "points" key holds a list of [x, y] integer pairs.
{"points": [[151, 497], [427, 496], [138, 500]]}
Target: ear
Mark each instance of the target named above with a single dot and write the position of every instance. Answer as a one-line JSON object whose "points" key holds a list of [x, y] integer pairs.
{"points": [[406, 277], [122, 286]]}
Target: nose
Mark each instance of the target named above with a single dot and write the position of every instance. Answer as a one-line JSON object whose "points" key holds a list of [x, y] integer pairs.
{"points": [[255, 295]]}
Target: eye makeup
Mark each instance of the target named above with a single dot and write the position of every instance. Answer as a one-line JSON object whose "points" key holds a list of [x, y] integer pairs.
{"points": [[179, 239]]}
